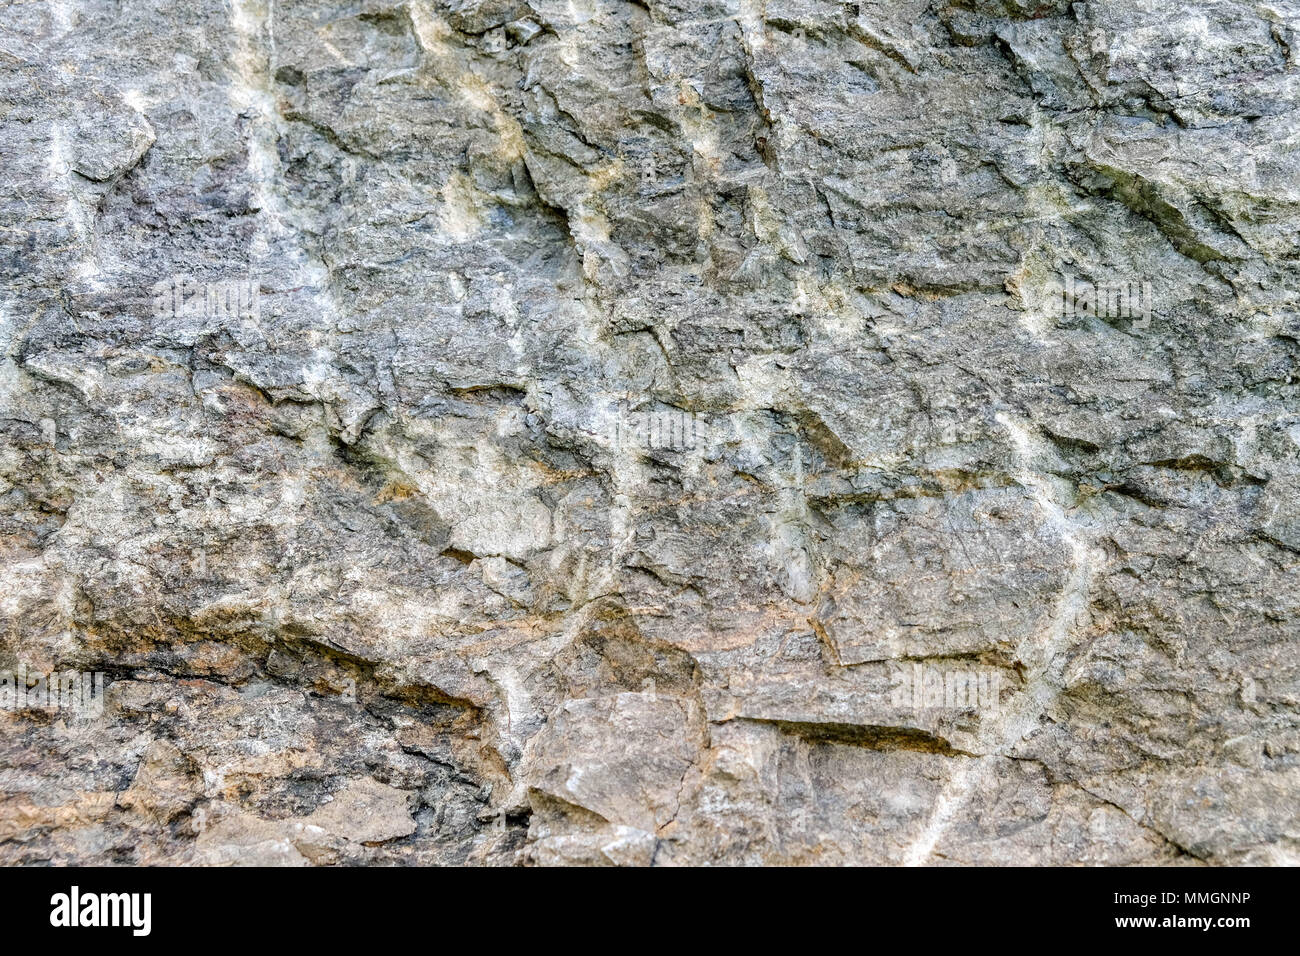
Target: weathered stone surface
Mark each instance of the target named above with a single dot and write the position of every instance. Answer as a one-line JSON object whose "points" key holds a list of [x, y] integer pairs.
{"points": [[540, 432]]}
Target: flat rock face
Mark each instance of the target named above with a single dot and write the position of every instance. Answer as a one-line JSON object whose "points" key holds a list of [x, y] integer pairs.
{"points": [[608, 433]]}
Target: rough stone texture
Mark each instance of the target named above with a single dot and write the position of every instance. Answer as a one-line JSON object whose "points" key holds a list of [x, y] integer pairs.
{"points": [[374, 579]]}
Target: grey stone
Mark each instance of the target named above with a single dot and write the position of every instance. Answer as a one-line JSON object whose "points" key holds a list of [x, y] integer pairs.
{"points": [[534, 432]]}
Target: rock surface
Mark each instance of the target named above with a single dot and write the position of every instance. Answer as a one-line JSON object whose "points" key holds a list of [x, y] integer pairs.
{"points": [[626, 433]]}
